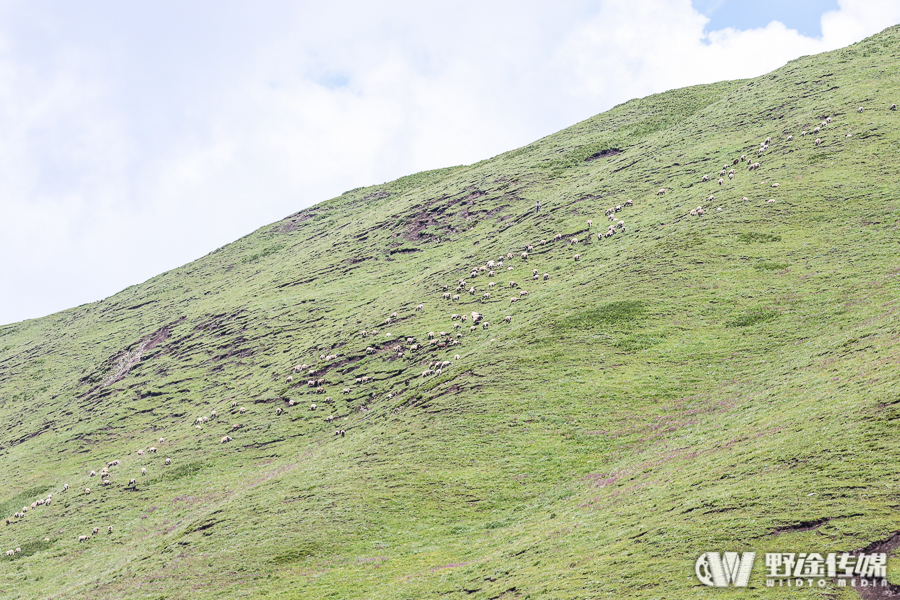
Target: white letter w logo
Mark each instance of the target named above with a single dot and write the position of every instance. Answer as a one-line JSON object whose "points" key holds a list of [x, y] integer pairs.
{"points": [[719, 571]]}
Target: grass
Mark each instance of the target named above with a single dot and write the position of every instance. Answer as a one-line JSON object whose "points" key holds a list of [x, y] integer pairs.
{"points": [[695, 384]]}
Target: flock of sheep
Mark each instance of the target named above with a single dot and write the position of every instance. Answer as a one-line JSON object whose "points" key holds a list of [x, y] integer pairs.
{"points": [[438, 340], [729, 171], [105, 478]]}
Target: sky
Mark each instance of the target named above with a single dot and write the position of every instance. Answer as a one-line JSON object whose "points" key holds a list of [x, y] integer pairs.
{"points": [[138, 136]]}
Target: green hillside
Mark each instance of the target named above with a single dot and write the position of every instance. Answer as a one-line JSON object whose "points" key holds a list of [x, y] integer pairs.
{"points": [[727, 381]]}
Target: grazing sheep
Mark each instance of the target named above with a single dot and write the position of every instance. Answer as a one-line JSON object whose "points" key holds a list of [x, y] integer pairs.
{"points": [[629, 203], [893, 107], [108, 530], [723, 171], [81, 538], [790, 137], [279, 410], [486, 295], [507, 318], [693, 212], [546, 276], [235, 426], [242, 410], [66, 487], [456, 297], [87, 490], [577, 256], [95, 530], [599, 237], [860, 109], [233, 404], [775, 184], [420, 307], [107, 482], [513, 299], [661, 192], [168, 461], [849, 135], [225, 439], [473, 328], [743, 157], [543, 242], [132, 482], [472, 290], [485, 325], [524, 255], [721, 181], [818, 141], [705, 178], [312, 407], [574, 240], [508, 255]]}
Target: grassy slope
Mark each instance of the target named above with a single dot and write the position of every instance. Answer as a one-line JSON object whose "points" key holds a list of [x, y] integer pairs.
{"points": [[683, 387]]}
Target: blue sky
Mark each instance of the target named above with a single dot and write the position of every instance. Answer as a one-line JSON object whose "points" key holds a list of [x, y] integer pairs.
{"points": [[138, 136], [803, 15]]}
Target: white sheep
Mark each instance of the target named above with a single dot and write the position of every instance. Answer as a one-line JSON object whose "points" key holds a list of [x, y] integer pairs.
{"points": [[513, 299], [893, 107], [860, 109], [818, 141], [661, 192], [456, 357], [312, 407], [790, 137], [66, 487], [87, 490], [507, 318], [546, 276], [168, 461], [225, 439], [577, 256], [705, 178]]}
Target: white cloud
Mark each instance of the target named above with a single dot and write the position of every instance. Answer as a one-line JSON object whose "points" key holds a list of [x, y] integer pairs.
{"points": [[118, 162]]}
